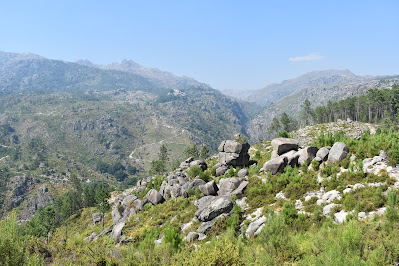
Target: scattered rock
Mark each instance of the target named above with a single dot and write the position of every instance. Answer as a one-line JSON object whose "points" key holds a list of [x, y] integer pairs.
{"points": [[154, 197], [216, 207], [338, 152], [306, 155], [276, 165], [282, 145], [323, 153], [209, 188], [233, 153], [252, 227], [243, 172]]}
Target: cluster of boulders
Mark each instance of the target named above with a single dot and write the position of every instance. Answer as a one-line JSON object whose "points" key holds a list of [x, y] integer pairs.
{"points": [[216, 201], [231, 153], [287, 152]]}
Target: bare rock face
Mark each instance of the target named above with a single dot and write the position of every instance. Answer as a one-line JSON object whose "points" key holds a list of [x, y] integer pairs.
{"points": [[338, 152], [233, 153], [282, 145], [276, 165]]}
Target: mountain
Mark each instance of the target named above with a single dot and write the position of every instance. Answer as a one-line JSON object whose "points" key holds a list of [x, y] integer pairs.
{"points": [[314, 79], [60, 118], [317, 95]]}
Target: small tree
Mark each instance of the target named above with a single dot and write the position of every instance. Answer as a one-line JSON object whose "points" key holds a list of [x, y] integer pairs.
{"points": [[102, 197], [204, 153]]}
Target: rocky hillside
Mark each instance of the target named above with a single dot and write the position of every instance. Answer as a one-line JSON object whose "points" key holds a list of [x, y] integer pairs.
{"points": [[312, 80], [278, 193], [318, 96], [59, 118]]}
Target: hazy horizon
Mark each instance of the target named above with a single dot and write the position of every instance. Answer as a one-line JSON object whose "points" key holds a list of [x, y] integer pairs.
{"points": [[228, 45]]}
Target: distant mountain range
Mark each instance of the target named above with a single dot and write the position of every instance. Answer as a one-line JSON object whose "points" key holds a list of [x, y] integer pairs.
{"points": [[317, 86]]}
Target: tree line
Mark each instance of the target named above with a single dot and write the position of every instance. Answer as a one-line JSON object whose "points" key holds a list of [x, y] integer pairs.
{"points": [[376, 106]]}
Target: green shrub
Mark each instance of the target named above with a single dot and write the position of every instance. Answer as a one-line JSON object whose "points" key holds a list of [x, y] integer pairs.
{"points": [[194, 171], [283, 134], [315, 165], [191, 192], [171, 236], [289, 212], [206, 176]]}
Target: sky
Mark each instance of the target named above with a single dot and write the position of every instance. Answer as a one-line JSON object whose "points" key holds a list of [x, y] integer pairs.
{"points": [[226, 44]]}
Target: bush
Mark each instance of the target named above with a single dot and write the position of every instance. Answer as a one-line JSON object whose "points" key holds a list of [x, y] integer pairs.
{"points": [[283, 134], [206, 176], [194, 171], [172, 237]]}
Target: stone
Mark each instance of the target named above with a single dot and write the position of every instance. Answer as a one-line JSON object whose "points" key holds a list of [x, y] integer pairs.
{"points": [[228, 185], [221, 170], [209, 188], [329, 196], [117, 231], [233, 153], [203, 201], [207, 226], [216, 207], [340, 217], [347, 190], [252, 227], [175, 191], [282, 145], [96, 218], [276, 165], [91, 237], [243, 172], [323, 153], [192, 236], [239, 192], [328, 208], [306, 155], [361, 215], [292, 158], [274, 155], [338, 152], [192, 185], [154, 197]]}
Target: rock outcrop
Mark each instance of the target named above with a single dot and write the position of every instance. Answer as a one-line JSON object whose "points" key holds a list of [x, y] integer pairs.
{"points": [[338, 152], [233, 153]]}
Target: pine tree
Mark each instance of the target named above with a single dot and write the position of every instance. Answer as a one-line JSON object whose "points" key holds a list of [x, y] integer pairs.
{"points": [[102, 197], [204, 153]]}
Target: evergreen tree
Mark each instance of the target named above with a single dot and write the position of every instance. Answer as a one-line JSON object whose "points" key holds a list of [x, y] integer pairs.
{"points": [[102, 197], [306, 113], [204, 153]]}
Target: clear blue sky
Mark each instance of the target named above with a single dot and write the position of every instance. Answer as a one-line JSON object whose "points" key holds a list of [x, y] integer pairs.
{"points": [[227, 44]]}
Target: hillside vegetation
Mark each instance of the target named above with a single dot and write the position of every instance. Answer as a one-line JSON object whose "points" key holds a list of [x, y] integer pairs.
{"points": [[297, 222]]}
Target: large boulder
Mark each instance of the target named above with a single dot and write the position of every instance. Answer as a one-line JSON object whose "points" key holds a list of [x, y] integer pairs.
{"points": [[282, 145], [323, 153], [221, 170], [214, 208], [233, 153], [209, 188], [306, 155], [154, 197], [117, 231], [292, 158], [228, 185], [243, 172], [338, 152], [276, 165]]}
